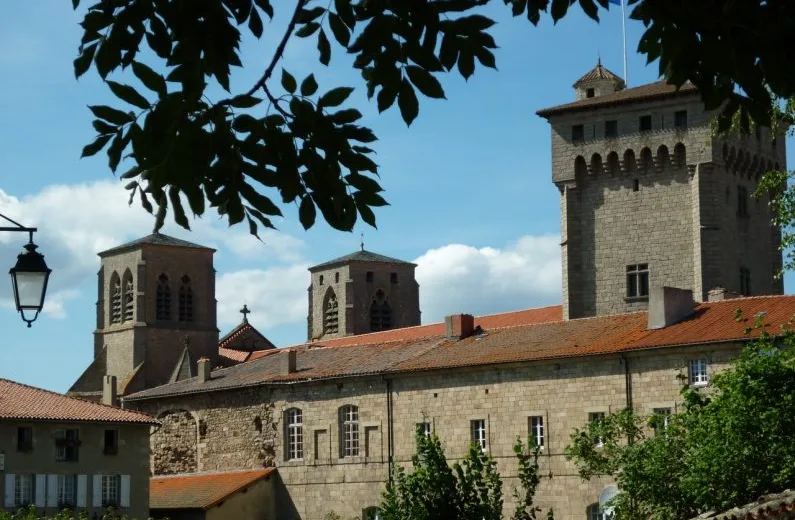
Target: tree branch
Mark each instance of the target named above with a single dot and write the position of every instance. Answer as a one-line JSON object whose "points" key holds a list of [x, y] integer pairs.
{"points": [[275, 102], [279, 50]]}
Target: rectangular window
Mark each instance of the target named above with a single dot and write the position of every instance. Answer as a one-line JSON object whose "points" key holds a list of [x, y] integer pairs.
{"points": [[23, 490], [680, 119], [111, 442], [110, 490], [350, 431], [536, 424], [24, 438], [590, 92], [611, 129], [742, 201], [369, 276], [638, 281], [295, 434], [393, 277], [745, 281], [698, 372], [644, 123], [594, 417], [67, 494], [67, 445], [577, 133], [478, 433], [424, 428], [660, 419]]}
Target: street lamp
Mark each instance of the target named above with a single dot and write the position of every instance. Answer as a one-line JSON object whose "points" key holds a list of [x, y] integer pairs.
{"points": [[29, 277]]}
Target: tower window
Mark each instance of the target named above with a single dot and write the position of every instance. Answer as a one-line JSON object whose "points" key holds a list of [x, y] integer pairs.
{"points": [[321, 279], [129, 296], [369, 276], [380, 313], [611, 129], [163, 298], [680, 119], [638, 281], [745, 281], [589, 93], [331, 321], [393, 277], [336, 277], [185, 300], [115, 298], [644, 123], [577, 132], [635, 185], [742, 201]]}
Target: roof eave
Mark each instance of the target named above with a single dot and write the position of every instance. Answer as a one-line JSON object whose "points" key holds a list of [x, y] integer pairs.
{"points": [[546, 113], [335, 263]]}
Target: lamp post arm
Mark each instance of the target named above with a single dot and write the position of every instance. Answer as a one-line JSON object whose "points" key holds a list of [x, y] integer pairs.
{"points": [[17, 227]]}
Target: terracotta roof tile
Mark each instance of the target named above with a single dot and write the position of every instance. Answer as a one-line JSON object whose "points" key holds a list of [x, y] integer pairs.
{"points": [[506, 338], [200, 490], [235, 356], [23, 402], [657, 90]]}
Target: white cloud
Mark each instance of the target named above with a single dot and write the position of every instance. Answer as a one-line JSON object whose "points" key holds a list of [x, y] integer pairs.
{"points": [[461, 278]]}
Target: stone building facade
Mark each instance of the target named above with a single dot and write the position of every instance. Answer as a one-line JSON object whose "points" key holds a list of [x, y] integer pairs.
{"points": [[360, 293], [650, 197]]}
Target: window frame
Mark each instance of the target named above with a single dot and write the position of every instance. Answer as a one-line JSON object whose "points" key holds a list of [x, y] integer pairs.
{"points": [[66, 491], [593, 417], [590, 92], [680, 119], [611, 129], [113, 447], [24, 492], [110, 483], [696, 376], [577, 133], [478, 433], [24, 438], [350, 438], [426, 427], [536, 427], [660, 426], [294, 433], [594, 512], [67, 445], [641, 123], [637, 281]]}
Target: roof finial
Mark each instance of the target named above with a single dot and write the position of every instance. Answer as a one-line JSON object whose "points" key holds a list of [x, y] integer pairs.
{"points": [[598, 59], [244, 311], [362, 244]]}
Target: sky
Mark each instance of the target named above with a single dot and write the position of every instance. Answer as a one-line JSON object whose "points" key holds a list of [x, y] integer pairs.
{"points": [[472, 202]]}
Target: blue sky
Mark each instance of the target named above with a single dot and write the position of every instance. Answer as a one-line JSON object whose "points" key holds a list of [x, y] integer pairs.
{"points": [[469, 183]]}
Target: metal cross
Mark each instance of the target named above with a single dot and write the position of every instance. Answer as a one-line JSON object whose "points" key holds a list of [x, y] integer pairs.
{"points": [[244, 311]]}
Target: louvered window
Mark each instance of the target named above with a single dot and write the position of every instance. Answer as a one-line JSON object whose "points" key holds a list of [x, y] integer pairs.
{"points": [[163, 300], [331, 318], [115, 298], [185, 300]]}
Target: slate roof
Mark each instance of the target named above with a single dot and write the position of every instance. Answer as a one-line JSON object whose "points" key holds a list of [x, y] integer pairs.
{"points": [[155, 239], [23, 402], [773, 507], [657, 90], [598, 73], [361, 256], [200, 490], [513, 337]]}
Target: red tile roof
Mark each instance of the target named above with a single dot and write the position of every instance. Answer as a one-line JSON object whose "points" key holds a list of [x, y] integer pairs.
{"points": [[657, 90], [232, 355], [504, 339], [200, 490], [23, 402]]}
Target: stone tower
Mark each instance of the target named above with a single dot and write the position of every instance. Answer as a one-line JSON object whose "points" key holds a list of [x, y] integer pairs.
{"points": [[156, 314], [359, 293], [649, 197]]}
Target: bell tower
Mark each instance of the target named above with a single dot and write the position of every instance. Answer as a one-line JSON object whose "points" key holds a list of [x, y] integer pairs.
{"points": [[155, 299], [360, 293]]}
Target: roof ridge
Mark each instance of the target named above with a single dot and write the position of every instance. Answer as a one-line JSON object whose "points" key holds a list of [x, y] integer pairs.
{"points": [[518, 310]]}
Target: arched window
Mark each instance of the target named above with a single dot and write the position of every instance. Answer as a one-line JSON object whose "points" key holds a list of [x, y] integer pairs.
{"points": [[680, 155], [128, 297], [331, 317], [115, 298], [380, 312], [185, 300], [349, 431], [595, 513], [163, 299], [294, 432]]}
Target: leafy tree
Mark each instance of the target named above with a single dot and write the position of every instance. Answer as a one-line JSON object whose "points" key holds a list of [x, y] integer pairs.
{"points": [[289, 138], [727, 447], [469, 490]]}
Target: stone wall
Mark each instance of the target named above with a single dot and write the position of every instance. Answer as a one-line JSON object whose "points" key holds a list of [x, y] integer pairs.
{"points": [[563, 393], [174, 444]]}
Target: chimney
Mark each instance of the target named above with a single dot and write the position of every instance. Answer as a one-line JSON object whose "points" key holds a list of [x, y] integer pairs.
{"points": [[718, 294], [204, 370], [109, 395], [288, 362], [669, 305], [459, 326]]}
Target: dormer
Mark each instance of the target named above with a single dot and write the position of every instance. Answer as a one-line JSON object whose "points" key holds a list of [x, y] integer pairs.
{"points": [[598, 82]]}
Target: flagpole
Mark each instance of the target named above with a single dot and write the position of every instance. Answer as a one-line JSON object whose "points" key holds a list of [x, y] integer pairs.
{"points": [[624, 31]]}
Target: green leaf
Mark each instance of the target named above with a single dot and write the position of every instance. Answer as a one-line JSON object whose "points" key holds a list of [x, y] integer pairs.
{"points": [[370, 198], [349, 115], [306, 212], [310, 15], [407, 102], [324, 48], [590, 8], [309, 85], [386, 96], [150, 79], [145, 202], [559, 9], [288, 82], [96, 146], [83, 62], [425, 82], [466, 64], [335, 97], [102, 127], [114, 151], [345, 12], [244, 101], [111, 115], [341, 32], [367, 214], [176, 204], [128, 94], [255, 23], [307, 29], [448, 52]]}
